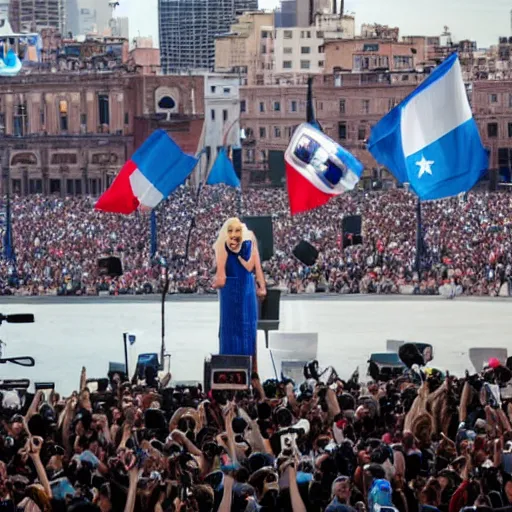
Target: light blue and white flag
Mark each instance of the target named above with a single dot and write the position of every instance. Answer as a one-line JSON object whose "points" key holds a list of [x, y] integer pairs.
{"points": [[430, 140]]}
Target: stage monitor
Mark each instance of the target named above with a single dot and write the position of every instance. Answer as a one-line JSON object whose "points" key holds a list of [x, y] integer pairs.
{"points": [[306, 253], [228, 373], [262, 229], [479, 356]]}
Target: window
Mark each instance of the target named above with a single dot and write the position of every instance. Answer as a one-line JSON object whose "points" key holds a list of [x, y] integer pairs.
{"points": [[104, 110], [42, 116], [370, 48], [361, 133], [262, 106], [305, 49], [510, 100], [213, 88], [126, 118], [63, 115], [319, 34], [243, 106], [402, 62], [293, 106], [277, 106], [305, 34], [365, 106], [35, 186], [493, 98], [264, 34], [2, 123], [492, 130], [212, 114], [338, 80], [321, 63], [342, 131], [20, 119], [287, 64], [287, 34], [263, 132], [392, 103], [510, 130], [305, 64], [227, 90], [224, 115], [249, 155], [263, 49], [287, 51], [342, 106], [277, 132]]}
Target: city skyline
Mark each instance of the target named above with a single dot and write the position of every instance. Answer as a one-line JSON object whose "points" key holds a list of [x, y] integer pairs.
{"points": [[483, 24]]}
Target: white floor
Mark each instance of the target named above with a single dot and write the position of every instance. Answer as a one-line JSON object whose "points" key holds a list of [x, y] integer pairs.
{"points": [[67, 337]]}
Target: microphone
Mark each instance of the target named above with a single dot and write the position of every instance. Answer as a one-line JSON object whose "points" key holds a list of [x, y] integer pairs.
{"points": [[22, 318]]}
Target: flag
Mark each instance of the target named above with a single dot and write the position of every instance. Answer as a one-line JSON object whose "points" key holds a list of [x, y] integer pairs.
{"points": [[8, 252], [317, 169], [223, 171], [132, 338], [153, 237], [430, 139], [156, 169]]}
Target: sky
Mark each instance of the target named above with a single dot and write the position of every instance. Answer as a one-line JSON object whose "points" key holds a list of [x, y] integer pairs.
{"points": [[478, 20]]}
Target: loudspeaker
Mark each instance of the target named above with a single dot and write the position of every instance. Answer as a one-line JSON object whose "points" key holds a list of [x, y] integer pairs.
{"points": [[262, 229], [276, 167], [306, 253], [351, 230], [237, 162], [110, 266], [231, 373], [269, 313]]}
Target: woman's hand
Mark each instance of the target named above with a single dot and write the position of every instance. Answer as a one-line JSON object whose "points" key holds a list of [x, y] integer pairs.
{"points": [[219, 282], [261, 291]]}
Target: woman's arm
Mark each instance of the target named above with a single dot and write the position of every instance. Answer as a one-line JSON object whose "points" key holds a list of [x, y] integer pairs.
{"points": [[260, 277], [221, 257]]}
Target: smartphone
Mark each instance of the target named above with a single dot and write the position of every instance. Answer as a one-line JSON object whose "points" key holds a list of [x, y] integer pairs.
{"points": [[46, 388]]}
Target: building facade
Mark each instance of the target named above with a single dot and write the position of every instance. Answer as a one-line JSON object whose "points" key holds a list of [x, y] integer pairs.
{"points": [[70, 133], [248, 47], [243, 6], [346, 108], [222, 115], [187, 32], [363, 55], [34, 15], [85, 17]]}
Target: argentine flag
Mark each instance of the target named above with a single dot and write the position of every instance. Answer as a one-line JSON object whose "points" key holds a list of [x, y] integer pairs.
{"points": [[430, 139]]}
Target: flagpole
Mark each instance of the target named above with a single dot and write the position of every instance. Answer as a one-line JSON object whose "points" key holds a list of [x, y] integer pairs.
{"points": [[419, 238]]}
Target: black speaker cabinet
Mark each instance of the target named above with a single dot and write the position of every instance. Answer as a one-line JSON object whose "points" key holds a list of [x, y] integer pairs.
{"points": [[262, 229], [306, 253], [230, 373], [270, 313], [110, 266]]}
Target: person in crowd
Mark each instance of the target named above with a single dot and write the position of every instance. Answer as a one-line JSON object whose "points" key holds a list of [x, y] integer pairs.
{"points": [[58, 241], [398, 444]]}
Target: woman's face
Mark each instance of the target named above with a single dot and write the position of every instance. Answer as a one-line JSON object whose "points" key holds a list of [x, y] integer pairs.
{"points": [[234, 236], [342, 491], [508, 491]]}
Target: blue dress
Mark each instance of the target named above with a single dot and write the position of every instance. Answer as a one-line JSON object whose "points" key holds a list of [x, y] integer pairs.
{"points": [[238, 306]]}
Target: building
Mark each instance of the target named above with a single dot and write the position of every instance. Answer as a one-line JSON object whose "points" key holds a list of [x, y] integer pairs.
{"points": [[377, 31], [88, 17], [247, 48], [70, 132], [492, 107], [222, 114], [187, 32], [120, 27], [301, 13], [301, 50], [243, 6], [360, 55], [347, 106], [34, 15]]}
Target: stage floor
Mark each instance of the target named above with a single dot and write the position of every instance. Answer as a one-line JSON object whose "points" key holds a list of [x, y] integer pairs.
{"points": [[67, 336]]}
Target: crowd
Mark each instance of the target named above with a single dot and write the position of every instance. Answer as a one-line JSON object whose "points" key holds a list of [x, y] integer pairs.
{"points": [[419, 441], [59, 240]]}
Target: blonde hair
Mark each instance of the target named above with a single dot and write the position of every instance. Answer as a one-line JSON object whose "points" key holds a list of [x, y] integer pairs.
{"points": [[222, 237]]}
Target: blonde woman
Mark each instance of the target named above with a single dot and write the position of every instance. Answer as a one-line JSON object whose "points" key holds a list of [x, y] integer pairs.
{"points": [[237, 258]]}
